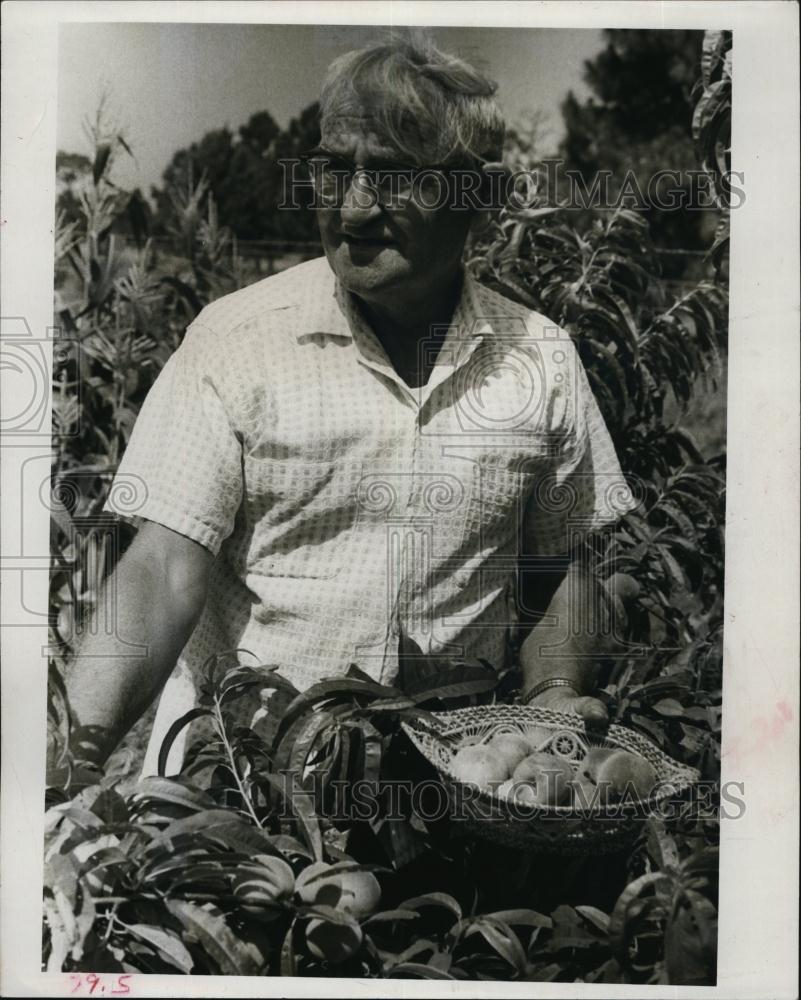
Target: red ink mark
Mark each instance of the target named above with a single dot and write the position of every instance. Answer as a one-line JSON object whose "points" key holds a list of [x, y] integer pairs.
{"points": [[91, 981], [767, 731]]}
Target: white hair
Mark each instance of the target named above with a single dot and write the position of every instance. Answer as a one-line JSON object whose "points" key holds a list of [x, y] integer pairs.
{"points": [[433, 106]]}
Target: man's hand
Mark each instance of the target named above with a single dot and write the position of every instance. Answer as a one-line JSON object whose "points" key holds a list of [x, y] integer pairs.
{"points": [[577, 650], [563, 699]]}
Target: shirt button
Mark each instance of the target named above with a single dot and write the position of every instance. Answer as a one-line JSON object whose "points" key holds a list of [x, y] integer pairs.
{"points": [[462, 578]]}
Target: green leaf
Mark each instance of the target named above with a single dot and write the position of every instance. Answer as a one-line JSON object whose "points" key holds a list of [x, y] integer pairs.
{"points": [[596, 917], [211, 878], [167, 943], [662, 846], [336, 688], [372, 749], [389, 916], [83, 818], [172, 734], [527, 918], [691, 942], [503, 939], [329, 913], [570, 930], [433, 899], [223, 827], [289, 964], [302, 746], [206, 925], [669, 707], [676, 572], [415, 970], [175, 791], [711, 53], [682, 521], [303, 810], [413, 666], [104, 857], [101, 161], [454, 681], [60, 923], [618, 939], [243, 677]]}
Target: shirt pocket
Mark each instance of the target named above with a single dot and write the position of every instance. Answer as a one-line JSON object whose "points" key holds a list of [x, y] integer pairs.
{"points": [[500, 491], [301, 515]]}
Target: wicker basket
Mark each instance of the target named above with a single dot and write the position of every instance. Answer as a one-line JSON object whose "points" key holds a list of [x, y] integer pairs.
{"points": [[558, 829]]}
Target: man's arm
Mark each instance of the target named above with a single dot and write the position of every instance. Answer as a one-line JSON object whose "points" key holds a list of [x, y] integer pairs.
{"points": [[152, 600], [582, 633]]}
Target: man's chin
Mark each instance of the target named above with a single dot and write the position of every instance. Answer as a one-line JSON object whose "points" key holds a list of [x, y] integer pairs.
{"points": [[362, 272]]}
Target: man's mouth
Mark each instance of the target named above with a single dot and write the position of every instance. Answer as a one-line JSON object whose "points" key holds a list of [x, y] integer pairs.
{"points": [[367, 242]]}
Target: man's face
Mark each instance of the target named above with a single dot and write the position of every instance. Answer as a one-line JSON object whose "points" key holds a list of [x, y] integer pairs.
{"points": [[386, 255]]}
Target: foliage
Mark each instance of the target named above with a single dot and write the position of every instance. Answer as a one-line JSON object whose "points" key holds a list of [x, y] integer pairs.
{"points": [[712, 130], [641, 350], [121, 313], [243, 172], [236, 866], [243, 863], [638, 119]]}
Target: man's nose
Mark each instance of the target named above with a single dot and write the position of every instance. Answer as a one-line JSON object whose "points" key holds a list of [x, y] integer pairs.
{"points": [[360, 204]]}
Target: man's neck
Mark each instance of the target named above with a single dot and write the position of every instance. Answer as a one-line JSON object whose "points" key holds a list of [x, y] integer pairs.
{"points": [[404, 330]]}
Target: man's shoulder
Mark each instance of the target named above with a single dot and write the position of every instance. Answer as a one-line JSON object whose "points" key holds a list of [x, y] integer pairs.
{"points": [[544, 351], [273, 297], [510, 314]]}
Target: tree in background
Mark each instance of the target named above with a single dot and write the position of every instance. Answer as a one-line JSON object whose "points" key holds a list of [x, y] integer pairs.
{"points": [[639, 118], [240, 171], [301, 135], [243, 174]]}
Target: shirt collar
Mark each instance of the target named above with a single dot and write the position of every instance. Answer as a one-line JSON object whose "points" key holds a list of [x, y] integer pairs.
{"points": [[330, 309]]}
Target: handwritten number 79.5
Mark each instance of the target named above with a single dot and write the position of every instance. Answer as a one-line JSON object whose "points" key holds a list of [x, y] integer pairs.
{"points": [[119, 987]]}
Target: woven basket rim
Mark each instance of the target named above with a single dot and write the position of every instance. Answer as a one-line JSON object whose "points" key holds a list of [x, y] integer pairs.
{"points": [[677, 775]]}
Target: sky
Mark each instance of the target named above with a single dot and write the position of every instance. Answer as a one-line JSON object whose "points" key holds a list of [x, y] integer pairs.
{"points": [[170, 83]]}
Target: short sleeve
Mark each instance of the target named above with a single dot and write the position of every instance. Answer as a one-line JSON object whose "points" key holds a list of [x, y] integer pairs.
{"points": [[584, 489], [183, 462]]}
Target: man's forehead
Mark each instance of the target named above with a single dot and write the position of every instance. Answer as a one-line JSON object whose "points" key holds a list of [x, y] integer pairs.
{"points": [[377, 135], [350, 129]]}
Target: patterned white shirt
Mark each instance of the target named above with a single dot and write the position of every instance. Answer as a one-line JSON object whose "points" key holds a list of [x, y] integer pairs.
{"points": [[342, 505]]}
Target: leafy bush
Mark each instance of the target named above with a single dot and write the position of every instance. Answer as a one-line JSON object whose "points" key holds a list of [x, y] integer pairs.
{"points": [[246, 864], [229, 869]]}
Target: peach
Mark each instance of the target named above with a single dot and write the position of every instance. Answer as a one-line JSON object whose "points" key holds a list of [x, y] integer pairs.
{"points": [[585, 793], [547, 777], [356, 892], [537, 735], [626, 774], [593, 760], [479, 765], [512, 747]]}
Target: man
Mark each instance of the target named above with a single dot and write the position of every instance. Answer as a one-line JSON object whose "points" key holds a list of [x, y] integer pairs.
{"points": [[364, 444]]}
